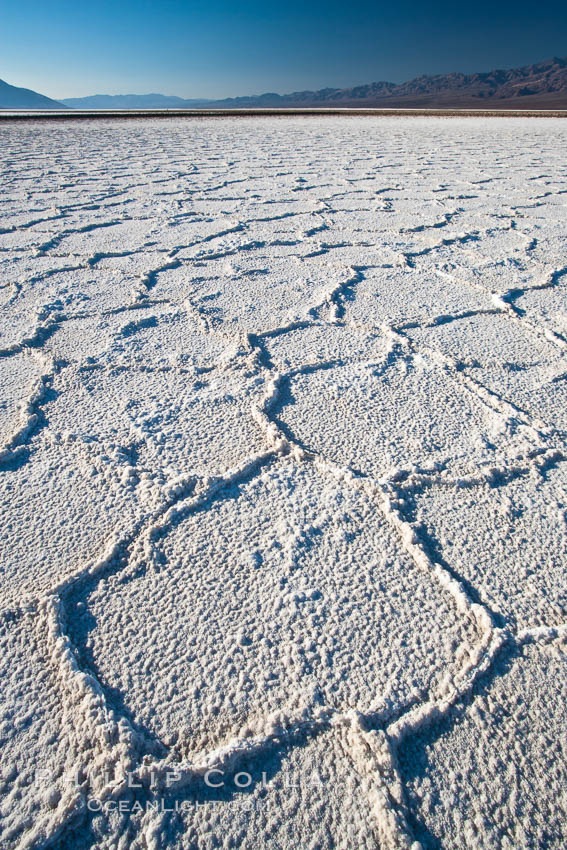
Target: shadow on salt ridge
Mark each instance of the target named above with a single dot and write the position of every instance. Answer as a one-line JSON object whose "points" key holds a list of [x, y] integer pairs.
{"points": [[469, 270], [26, 323], [86, 240], [508, 542], [154, 336], [547, 307], [492, 774], [394, 295], [82, 290], [18, 377], [263, 292]]}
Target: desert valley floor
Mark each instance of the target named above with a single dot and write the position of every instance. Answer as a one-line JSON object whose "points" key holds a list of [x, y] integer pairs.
{"points": [[283, 480]]}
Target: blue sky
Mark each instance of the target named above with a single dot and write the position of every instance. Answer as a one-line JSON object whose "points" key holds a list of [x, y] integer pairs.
{"points": [[194, 48]]}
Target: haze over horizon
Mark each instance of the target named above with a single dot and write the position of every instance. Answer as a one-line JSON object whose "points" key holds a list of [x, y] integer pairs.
{"points": [[217, 50]]}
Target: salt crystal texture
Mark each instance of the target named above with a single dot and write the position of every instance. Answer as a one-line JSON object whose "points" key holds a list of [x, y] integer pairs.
{"points": [[282, 446]]}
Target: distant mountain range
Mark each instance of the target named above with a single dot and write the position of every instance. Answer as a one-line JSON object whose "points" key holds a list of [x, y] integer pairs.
{"points": [[543, 85], [539, 86], [134, 101], [12, 97]]}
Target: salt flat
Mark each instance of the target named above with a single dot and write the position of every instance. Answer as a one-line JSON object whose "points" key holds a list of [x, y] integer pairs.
{"points": [[283, 483]]}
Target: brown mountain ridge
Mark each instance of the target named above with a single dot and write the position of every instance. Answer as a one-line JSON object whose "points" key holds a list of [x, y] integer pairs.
{"points": [[543, 85]]}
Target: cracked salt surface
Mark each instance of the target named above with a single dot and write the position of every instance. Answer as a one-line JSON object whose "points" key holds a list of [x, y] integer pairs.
{"points": [[282, 474]]}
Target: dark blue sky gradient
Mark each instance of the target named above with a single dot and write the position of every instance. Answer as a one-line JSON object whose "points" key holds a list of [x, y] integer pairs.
{"points": [[220, 48]]}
